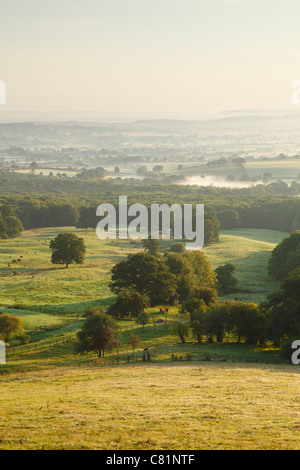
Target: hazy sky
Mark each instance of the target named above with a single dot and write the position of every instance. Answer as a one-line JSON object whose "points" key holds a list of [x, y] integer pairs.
{"points": [[163, 57]]}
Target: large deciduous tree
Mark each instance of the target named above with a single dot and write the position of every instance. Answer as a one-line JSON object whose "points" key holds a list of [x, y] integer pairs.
{"points": [[185, 277], [129, 303], [98, 334], [201, 267], [246, 320], [146, 274], [283, 308], [285, 257], [67, 248], [226, 282], [9, 326]]}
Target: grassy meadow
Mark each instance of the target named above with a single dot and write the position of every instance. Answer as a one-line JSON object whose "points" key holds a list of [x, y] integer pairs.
{"points": [[166, 407], [50, 299], [249, 251], [287, 169], [35, 284]]}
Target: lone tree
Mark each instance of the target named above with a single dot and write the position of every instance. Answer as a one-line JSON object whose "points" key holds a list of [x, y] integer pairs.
{"points": [[134, 340], [9, 326], [98, 334], [67, 248]]}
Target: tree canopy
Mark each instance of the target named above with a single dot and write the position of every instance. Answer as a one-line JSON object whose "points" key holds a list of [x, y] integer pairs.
{"points": [[129, 303], [67, 248], [163, 279], [10, 224], [283, 308], [98, 334], [285, 257], [226, 282], [9, 326], [147, 274]]}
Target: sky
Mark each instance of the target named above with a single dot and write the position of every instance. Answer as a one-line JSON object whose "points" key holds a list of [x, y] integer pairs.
{"points": [[150, 58]]}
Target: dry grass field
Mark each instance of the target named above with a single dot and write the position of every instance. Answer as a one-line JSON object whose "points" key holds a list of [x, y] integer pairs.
{"points": [[173, 407]]}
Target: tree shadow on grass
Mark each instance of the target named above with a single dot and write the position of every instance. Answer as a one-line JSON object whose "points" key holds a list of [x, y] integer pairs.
{"points": [[73, 308]]}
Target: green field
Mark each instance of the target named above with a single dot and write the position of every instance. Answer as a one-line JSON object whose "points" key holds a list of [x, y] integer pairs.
{"points": [[288, 169], [249, 251], [50, 299], [281, 169], [38, 285]]}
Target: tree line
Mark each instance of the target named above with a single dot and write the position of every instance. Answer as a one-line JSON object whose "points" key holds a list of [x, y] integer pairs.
{"points": [[42, 201]]}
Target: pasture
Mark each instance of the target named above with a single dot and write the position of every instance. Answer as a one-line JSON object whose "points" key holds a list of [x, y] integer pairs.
{"points": [[249, 251], [51, 299], [287, 170], [35, 284], [182, 407]]}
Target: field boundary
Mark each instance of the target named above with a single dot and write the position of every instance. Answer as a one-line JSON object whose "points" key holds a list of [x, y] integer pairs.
{"points": [[37, 345]]}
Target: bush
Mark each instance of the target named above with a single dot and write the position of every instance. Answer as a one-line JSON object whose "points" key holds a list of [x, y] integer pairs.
{"points": [[178, 247]]}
